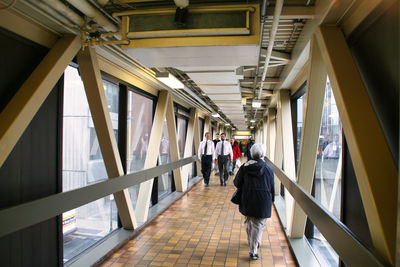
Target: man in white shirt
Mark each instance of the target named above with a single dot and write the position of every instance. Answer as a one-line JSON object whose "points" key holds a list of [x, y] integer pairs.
{"points": [[206, 156], [222, 151]]}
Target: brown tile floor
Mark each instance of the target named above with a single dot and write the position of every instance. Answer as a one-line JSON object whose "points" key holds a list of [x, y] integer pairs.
{"points": [[203, 228]]}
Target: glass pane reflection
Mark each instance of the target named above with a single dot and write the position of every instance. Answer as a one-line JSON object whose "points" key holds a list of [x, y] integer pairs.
{"points": [[140, 120], [328, 171], [164, 180], [83, 165]]}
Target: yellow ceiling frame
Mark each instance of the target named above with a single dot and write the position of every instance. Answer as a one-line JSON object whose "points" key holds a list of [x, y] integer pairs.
{"points": [[252, 25]]}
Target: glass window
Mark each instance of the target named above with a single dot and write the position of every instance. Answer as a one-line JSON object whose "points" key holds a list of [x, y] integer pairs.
{"points": [[328, 172], [140, 120], [300, 111], [165, 180], [181, 125], [83, 165]]}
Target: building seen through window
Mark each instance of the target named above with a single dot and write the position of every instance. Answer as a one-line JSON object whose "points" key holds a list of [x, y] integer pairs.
{"points": [[83, 165]]}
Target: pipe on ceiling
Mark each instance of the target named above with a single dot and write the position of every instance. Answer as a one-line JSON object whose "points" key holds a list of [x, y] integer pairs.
{"points": [[271, 41], [65, 11], [263, 11], [94, 14]]}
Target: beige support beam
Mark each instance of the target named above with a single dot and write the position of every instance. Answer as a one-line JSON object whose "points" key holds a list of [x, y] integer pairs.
{"points": [[197, 139], [310, 135], [207, 126], [173, 143], [15, 22], [278, 155], [265, 134], [19, 112], [143, 201], [91, 77], [271, 134], [288, 150], [373, 163], [189, 146]]}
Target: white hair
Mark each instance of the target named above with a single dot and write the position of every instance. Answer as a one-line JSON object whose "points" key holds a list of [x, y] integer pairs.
{"points": [[257, 151]]}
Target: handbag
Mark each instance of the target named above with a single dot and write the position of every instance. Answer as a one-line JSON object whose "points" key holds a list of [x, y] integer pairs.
{"points": [[237, 196]]}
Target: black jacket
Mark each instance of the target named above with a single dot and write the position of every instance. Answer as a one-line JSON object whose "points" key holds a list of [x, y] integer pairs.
{"points": [[256, 180]]}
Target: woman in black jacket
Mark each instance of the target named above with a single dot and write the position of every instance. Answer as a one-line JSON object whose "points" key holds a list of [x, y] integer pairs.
{"points": [[255, 179]]}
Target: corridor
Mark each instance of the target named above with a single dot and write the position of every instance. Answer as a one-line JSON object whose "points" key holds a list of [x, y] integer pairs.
{"points": [[203, 228]]}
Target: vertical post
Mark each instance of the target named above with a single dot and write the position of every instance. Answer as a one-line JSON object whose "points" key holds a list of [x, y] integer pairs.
{"points": [[271, 134], [91, 77], [278, 155], [143, 201], [288, 149], [310, 137], [173, 144], [375, 168], [19, 112], [189, 146]]}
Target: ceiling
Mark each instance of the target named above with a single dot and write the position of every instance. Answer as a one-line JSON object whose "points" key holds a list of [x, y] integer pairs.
{"points": [[225, 75], [220, 76]]}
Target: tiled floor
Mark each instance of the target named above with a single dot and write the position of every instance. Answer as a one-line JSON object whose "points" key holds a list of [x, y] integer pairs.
{"points": [[203, 228]]}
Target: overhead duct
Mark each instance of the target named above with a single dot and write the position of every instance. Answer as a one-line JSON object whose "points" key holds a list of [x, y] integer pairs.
{"points": [[94, 14]]}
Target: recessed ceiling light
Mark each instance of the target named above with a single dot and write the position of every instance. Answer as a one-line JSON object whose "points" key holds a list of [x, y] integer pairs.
{"points": [[256, 104], [252, 121], [170, 80], [215, 115]]}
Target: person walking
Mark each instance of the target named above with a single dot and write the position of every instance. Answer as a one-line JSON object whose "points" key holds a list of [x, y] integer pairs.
{"points": [[236, 155], [206, 155], [216, 141], [255, 182], [222, 152], [248, 148]]}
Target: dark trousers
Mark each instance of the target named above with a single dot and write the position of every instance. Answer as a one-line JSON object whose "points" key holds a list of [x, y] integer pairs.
{"points": [[223, 165], [233, 166], [206, 162]]}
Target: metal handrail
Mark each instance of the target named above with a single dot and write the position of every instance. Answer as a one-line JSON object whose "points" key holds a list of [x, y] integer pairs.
{"points": [[21, 216], [349, 248]]}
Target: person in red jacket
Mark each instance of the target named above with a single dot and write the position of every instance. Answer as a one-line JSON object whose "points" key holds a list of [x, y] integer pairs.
{"points": [[236, 154]]}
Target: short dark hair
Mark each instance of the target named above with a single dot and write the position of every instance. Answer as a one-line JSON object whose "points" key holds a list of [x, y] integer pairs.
{"points": [[222, 134], [206, 133]]}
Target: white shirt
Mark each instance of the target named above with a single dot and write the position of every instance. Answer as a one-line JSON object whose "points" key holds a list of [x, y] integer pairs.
{"points": [[227, 149], [210, 149]]}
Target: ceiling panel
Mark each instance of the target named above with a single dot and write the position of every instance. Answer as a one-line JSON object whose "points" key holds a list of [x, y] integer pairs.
{"points": [[214, 78], [225, 97], [227, 89]]}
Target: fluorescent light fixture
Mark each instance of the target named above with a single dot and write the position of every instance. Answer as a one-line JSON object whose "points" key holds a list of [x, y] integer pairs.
{"points": [[170, 80], [233, 129], [215, 115], [256, 104], [227, 124], [251, 127], [252, 121]]}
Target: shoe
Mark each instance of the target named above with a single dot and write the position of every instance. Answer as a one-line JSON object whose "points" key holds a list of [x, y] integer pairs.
{"points": [[254, 256], [206, 185], [224, 184], [221, 184]]}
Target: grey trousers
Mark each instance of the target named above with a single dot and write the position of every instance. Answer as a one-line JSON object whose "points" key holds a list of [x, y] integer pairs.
{"points": [[223, 164], [254, 229]]}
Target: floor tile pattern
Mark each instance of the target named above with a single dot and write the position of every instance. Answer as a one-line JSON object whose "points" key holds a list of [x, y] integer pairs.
{"points": [[203, 228]]}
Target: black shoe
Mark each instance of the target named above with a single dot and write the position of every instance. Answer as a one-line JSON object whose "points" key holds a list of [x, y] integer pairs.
{"points": [[206, 185], [224, 184], [221, 184], [254, 256]]}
